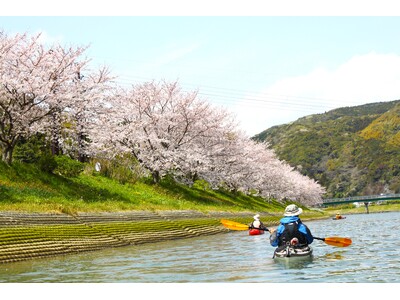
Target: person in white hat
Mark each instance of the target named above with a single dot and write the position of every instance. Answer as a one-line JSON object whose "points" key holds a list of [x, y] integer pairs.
{"points": [[257, 224], [291, 231]]}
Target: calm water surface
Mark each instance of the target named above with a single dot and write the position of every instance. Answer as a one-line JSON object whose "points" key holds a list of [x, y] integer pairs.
{"points": [[233, 257]]}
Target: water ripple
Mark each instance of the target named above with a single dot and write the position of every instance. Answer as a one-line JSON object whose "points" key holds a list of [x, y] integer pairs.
{"points": [[232, 258]]}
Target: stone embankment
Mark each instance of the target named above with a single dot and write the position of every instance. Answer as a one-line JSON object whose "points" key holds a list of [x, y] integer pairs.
{"points": [[30, 236]]}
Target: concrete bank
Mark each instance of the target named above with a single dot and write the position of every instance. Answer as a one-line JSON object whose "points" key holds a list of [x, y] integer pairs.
{"points": [[38, 235]]}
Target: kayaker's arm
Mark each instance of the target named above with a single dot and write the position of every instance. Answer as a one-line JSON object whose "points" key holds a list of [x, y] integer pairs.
{"points": [[309, 235], [273, 240]]}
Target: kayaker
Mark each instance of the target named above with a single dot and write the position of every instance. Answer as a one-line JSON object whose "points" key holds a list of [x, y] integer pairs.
{"points": [[291, 231], [338, 216], [257, 224]]}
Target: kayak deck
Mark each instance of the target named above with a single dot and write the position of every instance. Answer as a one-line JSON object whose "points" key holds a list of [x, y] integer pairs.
{"points": [[293, 253]]}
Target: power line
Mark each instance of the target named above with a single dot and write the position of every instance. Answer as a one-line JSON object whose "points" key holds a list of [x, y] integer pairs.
{"points": [[229, 96], [226, 95]]}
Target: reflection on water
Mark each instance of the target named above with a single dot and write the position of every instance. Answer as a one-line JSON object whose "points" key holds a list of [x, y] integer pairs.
{"points": [[334, 255], [295, 263], [233, 257]]}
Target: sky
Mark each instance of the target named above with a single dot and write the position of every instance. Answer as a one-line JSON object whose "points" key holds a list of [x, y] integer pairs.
{"points": [[267, 69], [268, 62]]}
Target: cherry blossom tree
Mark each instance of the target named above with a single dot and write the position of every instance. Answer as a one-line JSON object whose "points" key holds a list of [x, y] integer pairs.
{"points": [[52, 90], [89, 99], [160, 125], [173, 132], [33, 86]]}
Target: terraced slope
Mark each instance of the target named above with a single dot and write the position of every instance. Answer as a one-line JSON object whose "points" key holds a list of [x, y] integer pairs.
{"points": [[29, 236]]}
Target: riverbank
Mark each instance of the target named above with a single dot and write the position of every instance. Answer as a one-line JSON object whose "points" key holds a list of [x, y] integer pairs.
{"points": [[26, 236], [44, 215], [386, 206]]}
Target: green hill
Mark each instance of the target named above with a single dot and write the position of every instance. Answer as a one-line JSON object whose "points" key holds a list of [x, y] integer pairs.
{"points": [[351, 150]]}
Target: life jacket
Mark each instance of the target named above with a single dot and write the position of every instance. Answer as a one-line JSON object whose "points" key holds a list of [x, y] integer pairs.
{"points": [[261, 226], [292, 231]]}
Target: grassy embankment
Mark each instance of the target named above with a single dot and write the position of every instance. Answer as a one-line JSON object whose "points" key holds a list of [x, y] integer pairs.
{"points": [[24, 188]]}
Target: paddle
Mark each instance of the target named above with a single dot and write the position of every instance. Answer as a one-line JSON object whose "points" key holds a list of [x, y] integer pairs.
{"points": [[238, 226], [333, 241]]}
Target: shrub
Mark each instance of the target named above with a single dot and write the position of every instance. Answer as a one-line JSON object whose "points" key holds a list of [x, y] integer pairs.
{"points": [[123, 168], [47, 163], [68, 167], [32, 149], [201, 185]]}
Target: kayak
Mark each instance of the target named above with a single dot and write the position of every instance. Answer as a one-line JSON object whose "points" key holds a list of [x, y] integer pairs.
{"points": [[255, 231], [290, 252], [341, 218]]}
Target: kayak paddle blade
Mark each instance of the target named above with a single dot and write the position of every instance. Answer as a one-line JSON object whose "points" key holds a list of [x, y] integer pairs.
{"points": [[234, 225], [338, 241]]}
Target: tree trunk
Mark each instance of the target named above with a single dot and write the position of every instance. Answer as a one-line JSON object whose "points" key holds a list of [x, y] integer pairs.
{"points": [[56, 133], [156, 176], [55, 147], [7, 154], [82, 157]]}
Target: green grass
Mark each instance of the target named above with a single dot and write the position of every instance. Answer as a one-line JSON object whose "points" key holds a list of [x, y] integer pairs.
{"points": [[23, 187]]}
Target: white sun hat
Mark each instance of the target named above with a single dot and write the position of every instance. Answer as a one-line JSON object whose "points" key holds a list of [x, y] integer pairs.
{"points": [[292, 210]]}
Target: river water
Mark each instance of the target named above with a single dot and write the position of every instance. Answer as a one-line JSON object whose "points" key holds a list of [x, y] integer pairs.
{"points": [[234, 257]]}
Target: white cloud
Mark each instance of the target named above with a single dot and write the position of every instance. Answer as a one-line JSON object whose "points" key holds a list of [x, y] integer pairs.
{"points": [[363, 79]]}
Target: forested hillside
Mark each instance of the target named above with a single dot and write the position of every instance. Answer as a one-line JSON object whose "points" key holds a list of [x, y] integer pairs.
{"points": [[350, 151]]}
